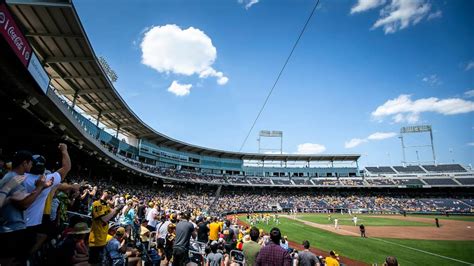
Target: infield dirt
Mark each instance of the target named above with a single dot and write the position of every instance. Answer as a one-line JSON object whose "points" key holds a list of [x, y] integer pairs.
{"points": [[449, 230]]}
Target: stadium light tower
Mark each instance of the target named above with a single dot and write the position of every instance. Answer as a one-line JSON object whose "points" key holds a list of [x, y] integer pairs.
{"points": [[107, 69], [270, 134], [416, 130]]}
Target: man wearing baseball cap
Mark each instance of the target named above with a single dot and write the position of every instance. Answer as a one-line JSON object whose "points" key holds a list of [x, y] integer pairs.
{"points": [[34, 213], [333, 260], [117, 248], [12, 219]]}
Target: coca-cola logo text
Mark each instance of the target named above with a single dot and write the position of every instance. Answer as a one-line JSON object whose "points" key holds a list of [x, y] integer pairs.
{"points": [[13, 35]]}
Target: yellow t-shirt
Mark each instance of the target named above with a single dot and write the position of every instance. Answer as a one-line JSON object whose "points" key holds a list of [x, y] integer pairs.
{"points": [[331, 262], [99, 228], [214, 229], [47, 204]]}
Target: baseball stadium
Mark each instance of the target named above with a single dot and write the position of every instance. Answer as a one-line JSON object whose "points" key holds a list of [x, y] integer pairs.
{"points": [[88, 182]]}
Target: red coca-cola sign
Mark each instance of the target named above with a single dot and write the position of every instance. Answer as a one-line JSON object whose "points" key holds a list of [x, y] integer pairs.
{"points": [[12, 34]]}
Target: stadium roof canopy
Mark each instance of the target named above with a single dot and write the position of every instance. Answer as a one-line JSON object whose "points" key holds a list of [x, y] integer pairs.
{"points": [[58, 38]]}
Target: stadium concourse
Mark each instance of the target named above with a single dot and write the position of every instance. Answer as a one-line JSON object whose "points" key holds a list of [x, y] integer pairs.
{"points": [[72, 192]]}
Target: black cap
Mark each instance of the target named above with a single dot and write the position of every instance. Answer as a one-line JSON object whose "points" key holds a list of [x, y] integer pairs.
{"points": [[39, 165]]}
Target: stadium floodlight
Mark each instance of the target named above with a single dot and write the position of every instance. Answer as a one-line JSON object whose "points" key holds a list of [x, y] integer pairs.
{"points": [[107, 69], [270, 134], [416, 130]]}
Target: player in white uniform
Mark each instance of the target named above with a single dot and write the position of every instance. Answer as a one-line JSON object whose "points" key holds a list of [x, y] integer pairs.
{"points": [[335, 223], [354, 219]]}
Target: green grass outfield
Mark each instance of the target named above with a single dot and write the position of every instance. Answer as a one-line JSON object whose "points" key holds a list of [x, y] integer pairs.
{"points": [[361, 219], [372, 250]]}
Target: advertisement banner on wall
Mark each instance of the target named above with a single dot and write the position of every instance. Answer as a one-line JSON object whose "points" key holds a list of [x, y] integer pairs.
{"points": [[12, 34], [39, 74]]}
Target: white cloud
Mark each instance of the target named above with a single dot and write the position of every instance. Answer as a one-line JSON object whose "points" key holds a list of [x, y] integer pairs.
{"points": [[403, 108], [179, 89], [354, 143], [408, 118], [375, 136], [221, 79], [381, 135], [364, 5], [399, 14], [470, 144], [469, 66], [432, 80], [248, 3], [170, 49], [412, 118], [310, 148], [398, 118], [469, 94], [434, 15]]}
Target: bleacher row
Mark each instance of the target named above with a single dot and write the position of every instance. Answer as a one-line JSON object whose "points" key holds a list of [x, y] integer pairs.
{"points": [[440, 179], [374, 203], [416, 169]]}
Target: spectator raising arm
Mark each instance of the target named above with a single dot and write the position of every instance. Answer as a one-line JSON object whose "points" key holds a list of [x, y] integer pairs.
{"points": [[106, 218], [66, 161]]}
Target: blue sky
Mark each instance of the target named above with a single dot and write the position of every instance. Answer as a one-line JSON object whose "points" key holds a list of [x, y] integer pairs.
{"points": [[199, 71]]}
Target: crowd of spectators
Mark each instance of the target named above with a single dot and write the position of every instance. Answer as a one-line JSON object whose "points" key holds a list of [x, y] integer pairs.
{"points": [[57, 217], [351, 182], [197, 176], [379, 181]]}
